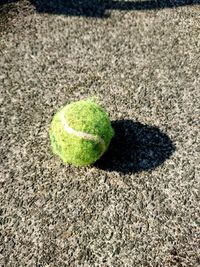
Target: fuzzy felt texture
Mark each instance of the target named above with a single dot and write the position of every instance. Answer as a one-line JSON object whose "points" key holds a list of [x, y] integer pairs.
{"points": [[84, 116]]}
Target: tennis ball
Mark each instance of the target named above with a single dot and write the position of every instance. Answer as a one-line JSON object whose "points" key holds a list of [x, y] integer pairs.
{"points": [[80, 132]]}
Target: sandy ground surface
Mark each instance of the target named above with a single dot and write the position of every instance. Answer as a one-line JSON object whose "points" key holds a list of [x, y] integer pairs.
{"points": [[138, 206]]}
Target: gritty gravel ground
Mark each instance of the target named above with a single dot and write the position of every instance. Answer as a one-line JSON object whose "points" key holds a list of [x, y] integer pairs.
{"points": [[138, 206]]}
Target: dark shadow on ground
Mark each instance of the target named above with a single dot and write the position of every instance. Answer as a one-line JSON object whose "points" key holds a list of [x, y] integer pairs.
{"points": [[2, 2], [136, 147], [98, 8]]}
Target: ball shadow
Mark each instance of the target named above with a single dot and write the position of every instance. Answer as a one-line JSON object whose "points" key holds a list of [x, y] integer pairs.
{"points": [[136, 147]]}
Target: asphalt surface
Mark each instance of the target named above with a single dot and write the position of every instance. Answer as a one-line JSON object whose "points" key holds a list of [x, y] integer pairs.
{"points": [[137, 206]]}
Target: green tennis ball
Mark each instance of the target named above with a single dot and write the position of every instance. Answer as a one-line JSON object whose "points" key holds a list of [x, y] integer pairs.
{"points": [[80, 133]]}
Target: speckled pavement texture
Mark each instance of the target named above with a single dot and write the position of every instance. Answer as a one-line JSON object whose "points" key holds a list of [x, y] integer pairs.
{"points": [[139, 205]]}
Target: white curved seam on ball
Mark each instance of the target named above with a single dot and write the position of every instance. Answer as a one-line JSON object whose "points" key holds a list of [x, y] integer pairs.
{"points": [[86, 136]]}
